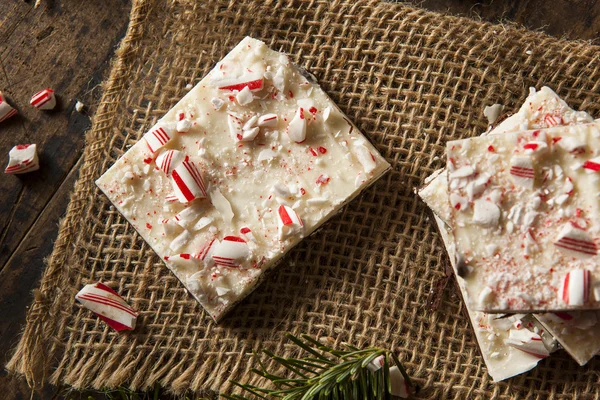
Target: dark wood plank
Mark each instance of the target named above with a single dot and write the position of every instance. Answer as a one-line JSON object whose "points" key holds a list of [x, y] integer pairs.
{"points": [[59, 45], [561, 18], [67, 46]]}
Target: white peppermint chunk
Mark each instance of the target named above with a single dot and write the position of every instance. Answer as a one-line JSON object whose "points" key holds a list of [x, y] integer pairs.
{"points": [[268, 120], [572, 144], [184, 126], [522, 171], [462, 172], [459, 202], [202, 223], [486, 213], [188, 215], [181, 240], [235, 127], [279, 79], [250, 134], [222, 205], [296, 129], [365, 157], [217, 103]]}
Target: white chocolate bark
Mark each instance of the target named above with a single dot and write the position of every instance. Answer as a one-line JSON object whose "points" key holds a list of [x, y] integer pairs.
{"points": [[540, 110], [263, 157], [532, 223], [578, 332], [492, 331]]}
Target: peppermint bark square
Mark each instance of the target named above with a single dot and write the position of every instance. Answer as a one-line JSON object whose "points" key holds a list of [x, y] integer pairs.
{"points": [[249, 162], [525, 217]]}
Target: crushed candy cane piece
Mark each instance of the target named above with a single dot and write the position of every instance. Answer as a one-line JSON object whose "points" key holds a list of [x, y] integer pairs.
{"points": [[289, 222], [217, 103], [6, 110], [184, 126], [364, 157], [235, 127], [244, 96], [486, 213], [253, 85], [592, 165], [157, 137], [44, 99], [188, 215], [493, 112], [376, 364], [169, 226], [22, 158], [108, 306], [527, 341], [250, 134], [181, 240], [297, 127], [187, 182], [535, 147], [168, 160], [231, 252], [576, 287], [79, 106], [267, 120], [522, 172], [459, 202], [222, 205], [183, 260], [399, 386], [202, 223], [575, 242]]}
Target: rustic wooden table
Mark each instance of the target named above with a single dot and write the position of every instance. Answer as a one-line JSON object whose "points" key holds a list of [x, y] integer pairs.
{"points": [[67, 45]]}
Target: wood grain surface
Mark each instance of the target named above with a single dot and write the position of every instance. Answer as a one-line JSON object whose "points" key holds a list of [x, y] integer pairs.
{"points": [[67, 45]]}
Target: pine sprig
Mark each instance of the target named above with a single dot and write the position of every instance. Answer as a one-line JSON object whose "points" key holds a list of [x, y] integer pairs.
{"points": [[326, 374]]}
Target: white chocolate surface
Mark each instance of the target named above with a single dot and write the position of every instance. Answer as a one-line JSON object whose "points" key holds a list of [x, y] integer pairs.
{"points": [[249, 173], [509, 237]]}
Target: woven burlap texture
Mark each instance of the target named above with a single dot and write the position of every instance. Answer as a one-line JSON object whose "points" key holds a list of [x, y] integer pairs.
{"points": [[411, 80]]}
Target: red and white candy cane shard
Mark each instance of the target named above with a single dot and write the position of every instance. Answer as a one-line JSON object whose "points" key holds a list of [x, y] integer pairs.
{"points": [[576, 287], [592, 165], [235, 127], [207, 249], [168, 160], [399, 386], [183, 260], [187, 182], [157, 137], [231, 252], [575, 242], [289, 221], [250, 134], [6, 111], [267, 120], [253, 85], [108, 306], [365, 157], [171, 198], [553, 120], [22, 158], [188, 215], [527, 341], [44, 99], [296, 129], [376, 364], [535, 147], [522, 172]]}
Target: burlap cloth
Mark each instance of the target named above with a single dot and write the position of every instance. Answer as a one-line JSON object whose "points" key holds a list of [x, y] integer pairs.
{"points": [[411, 80]]}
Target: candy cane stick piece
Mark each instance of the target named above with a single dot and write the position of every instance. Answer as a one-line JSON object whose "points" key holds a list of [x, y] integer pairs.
{"points": [[108, 306], [44, 99]]}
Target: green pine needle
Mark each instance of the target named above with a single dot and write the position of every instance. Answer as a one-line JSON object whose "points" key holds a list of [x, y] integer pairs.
{"points": [[326, 374]]}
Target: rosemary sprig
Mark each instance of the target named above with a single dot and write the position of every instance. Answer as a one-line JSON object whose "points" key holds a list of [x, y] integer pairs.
{"points": [[326, 374]]}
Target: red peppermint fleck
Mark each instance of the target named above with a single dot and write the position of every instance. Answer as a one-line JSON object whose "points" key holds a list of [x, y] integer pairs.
{"points": [[232, 98], [22, 146], [323, 180], [491, 149], [291, 94], [556, 139], [322, 150], [457, 206], [535, 133], [530, 146], [148, 225], [302, 191], [180, 116], [245, 230], [313, 151], [313, 110], [148, 160], [578, 213], [591, 166]]}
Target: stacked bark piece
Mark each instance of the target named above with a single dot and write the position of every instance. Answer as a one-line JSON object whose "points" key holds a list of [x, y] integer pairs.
{"points": [[518, 211]]}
